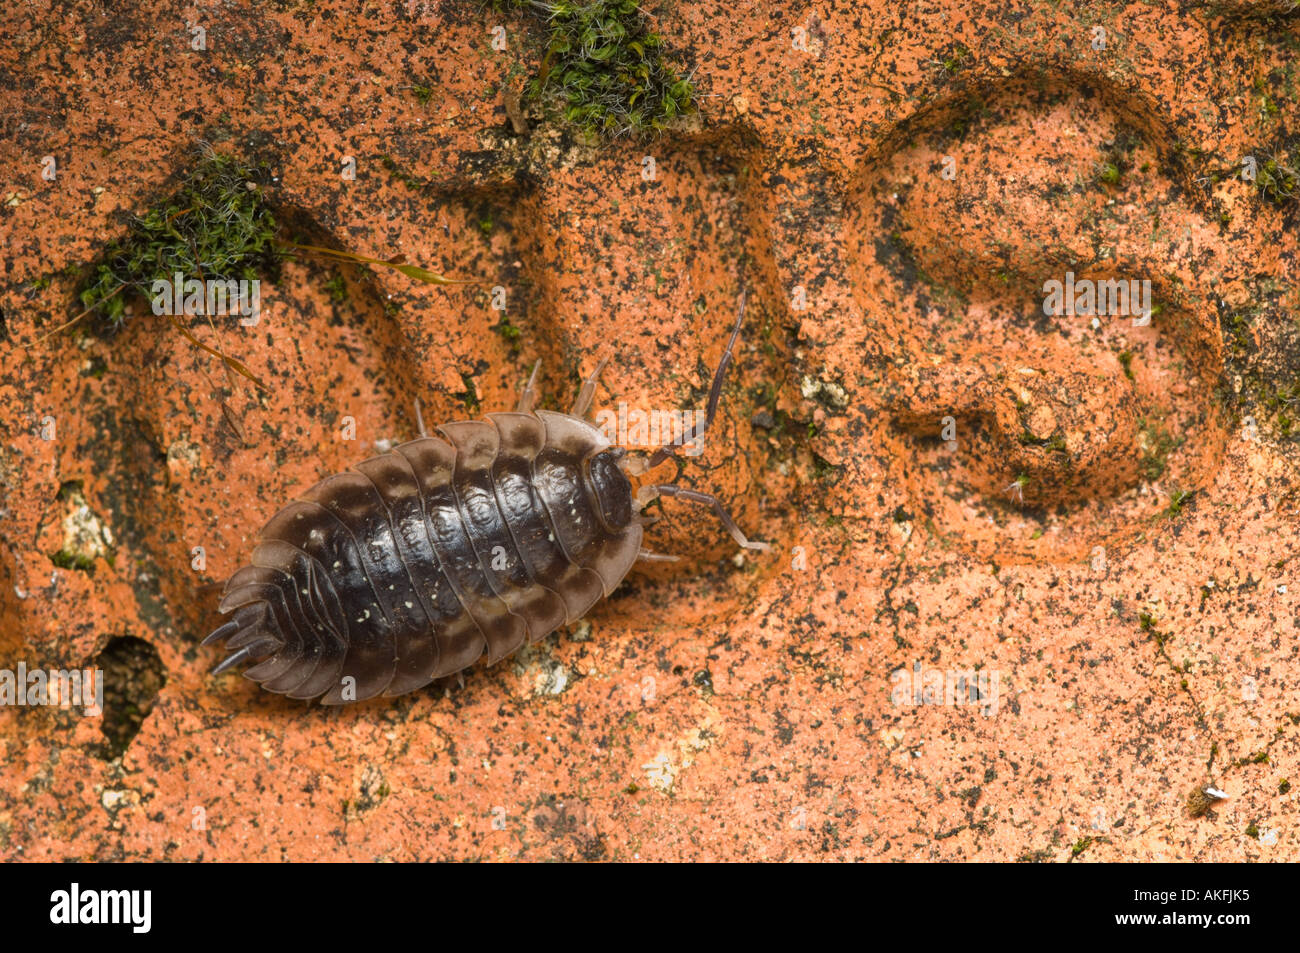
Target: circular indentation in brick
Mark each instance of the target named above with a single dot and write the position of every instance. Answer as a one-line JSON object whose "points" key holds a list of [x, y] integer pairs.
{"points": [[1051, 372]]}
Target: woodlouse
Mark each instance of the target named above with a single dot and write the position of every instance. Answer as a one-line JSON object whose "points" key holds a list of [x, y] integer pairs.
{"points": [[411, 565]]}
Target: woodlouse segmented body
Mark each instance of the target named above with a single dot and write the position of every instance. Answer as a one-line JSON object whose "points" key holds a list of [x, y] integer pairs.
{"points": [[415, 563]]}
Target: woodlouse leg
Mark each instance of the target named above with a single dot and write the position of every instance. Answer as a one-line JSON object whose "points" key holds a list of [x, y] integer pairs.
{"points": [[695, 496], [529, 395], [419, 419], [646, 556], [715, 393], [588, 392]]}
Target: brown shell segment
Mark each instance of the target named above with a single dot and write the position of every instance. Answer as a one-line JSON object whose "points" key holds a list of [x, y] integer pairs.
{"points": [[523, 437]]}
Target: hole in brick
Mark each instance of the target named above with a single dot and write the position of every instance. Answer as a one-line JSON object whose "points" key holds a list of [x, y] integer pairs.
{"points": [[133, 677]]}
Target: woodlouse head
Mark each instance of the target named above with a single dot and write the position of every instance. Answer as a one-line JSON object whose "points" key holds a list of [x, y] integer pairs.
{"points": [[611, 488]]}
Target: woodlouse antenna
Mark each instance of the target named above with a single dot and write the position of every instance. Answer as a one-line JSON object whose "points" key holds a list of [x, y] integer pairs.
{"points": [[647, 494], [715, 394]]}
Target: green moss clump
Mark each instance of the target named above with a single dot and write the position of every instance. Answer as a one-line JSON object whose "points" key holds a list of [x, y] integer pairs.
{"points": [[1278, 178], [1147, 623], [1117, 160], [1268, 107], [217, 226], [955, 60], [66, 559], [1281, 402], [1052, 444], [606, 65], [1156, 444], [509, 332], [1176, 501], [337, 289], [1126, 362]]}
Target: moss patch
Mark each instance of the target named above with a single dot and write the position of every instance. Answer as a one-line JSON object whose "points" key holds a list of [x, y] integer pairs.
{"points": [[216, 226], [509, 333], [605, 66], [1155, 443], [1176, 501], [1281, 404], [1126, 362], [337, 289], [1278, 176]]}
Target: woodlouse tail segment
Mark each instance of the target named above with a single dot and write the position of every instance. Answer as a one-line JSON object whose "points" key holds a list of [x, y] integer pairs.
{"points": [[248, 635]]}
